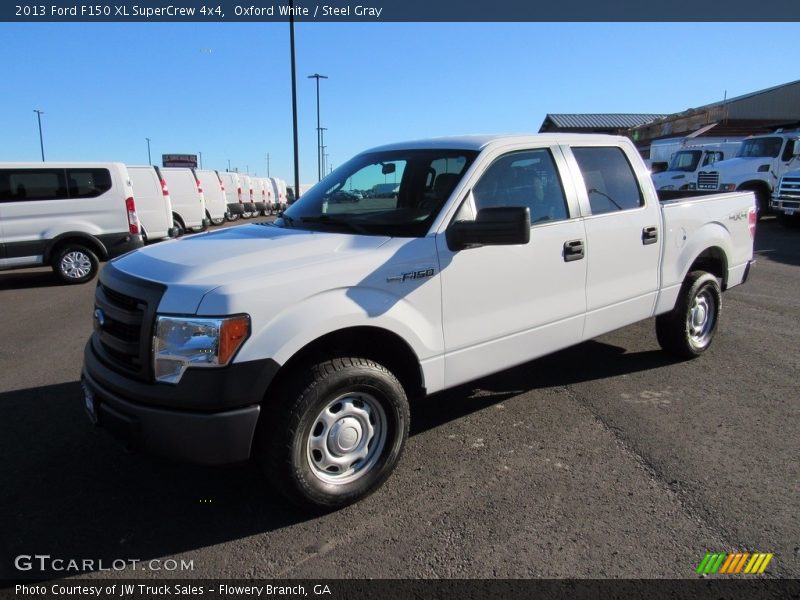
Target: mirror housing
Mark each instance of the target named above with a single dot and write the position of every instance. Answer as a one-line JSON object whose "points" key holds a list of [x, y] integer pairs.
{"points": [[795, 147], [500, 226], [388, 168]]}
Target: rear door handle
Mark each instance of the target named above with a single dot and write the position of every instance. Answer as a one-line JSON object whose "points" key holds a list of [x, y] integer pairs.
{"points": [[649, 235], [573, 250]]}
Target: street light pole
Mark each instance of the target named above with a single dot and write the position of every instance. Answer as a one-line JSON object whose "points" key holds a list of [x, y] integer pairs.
{"points": [[39, 114], [201, 159], [294, 101], [322, 131], [317, 76], [267, 164], [149, 160]]}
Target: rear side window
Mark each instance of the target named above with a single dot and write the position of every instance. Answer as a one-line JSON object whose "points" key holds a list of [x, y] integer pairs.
{"points": [[610, 182], [19, 185], [88, 183]]}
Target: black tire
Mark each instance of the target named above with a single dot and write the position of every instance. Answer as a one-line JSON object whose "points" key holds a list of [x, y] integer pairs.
{"points": [[232, 217], [214, 221], [177, 223], [688, 329], [344, 409], [74, 263]]}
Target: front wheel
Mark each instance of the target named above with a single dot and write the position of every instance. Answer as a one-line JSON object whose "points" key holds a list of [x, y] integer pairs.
{"points": [[688, 329], [335, 432]]}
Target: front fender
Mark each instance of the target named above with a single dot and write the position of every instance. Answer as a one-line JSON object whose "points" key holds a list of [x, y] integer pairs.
{"points": [[303, 322]]}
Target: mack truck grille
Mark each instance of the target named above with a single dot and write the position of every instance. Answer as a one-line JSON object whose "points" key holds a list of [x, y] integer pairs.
{"points": [[790, 186], [707, 180], [123, 323]]}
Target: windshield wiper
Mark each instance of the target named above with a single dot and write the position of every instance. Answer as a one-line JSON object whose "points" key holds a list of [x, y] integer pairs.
{"points": [[329, 220]]}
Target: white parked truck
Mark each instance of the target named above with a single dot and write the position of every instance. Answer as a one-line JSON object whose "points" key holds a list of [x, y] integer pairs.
{"points": [[681, 172], [758, 166], [299, 342], [786, 198]]}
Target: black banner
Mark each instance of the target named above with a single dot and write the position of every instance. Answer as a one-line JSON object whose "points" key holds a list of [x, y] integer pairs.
{"points": [[376, 11], [458, 589]]}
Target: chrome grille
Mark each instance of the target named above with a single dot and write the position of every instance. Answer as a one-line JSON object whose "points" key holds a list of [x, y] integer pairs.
{"points": [[708, 180]]}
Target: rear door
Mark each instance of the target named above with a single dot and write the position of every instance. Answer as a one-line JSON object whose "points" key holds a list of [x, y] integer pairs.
{"points": [[623, 237]]}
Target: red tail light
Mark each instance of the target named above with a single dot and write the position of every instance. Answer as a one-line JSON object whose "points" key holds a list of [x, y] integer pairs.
{"points": [[133, 219], [164, 190], [239, 194], [199, 187], [752, 219]]}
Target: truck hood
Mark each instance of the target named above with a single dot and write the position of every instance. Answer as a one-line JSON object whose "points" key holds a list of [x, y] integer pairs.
{"points": [[197, 264], [737, 166], [676, 178]]}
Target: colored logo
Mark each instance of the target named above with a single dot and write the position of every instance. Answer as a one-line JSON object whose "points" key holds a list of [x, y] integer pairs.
{"points": [[734, 563]]}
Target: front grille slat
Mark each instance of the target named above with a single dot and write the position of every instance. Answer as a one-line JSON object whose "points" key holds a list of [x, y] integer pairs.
{"points": [[708, 180], [121, 333]]}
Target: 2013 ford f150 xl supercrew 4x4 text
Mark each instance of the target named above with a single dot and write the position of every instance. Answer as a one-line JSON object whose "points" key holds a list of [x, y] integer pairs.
{"points": [[412, 268]]}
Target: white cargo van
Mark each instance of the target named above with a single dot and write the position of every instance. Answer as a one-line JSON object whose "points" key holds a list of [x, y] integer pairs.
{"points": [[233, 195], [247, 197], [214, 194], [259, 196], [67, 215], [153, 203], [279, 185], [269, 196], [188, 204]]}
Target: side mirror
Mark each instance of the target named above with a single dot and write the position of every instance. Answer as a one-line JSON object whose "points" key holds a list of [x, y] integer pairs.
{"points": [[795, 147], [502, 226], [388, 168]]}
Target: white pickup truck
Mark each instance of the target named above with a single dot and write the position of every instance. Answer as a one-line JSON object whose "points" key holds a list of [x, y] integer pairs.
{"points": [[299, 342]]}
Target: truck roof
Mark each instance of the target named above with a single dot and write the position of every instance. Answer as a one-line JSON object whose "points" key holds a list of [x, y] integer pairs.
{"points": [[479, 142]]}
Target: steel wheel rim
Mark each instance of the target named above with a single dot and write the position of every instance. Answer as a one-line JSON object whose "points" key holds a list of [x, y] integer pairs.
{"points": [[701, 318], [346, 438], [76, 264]]}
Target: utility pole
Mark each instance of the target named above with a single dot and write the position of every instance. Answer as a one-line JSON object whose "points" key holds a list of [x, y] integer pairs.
{"points": [[322, 131], [149, 160], [201, 159], [39, 114], [267, 164], [294, 101], [317, 76]]}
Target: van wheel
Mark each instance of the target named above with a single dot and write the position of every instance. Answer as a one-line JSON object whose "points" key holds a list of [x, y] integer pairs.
{"points": [[688, 329], [231, 217], [74, 263], [214, 221], [335, 434], [177, 223]]}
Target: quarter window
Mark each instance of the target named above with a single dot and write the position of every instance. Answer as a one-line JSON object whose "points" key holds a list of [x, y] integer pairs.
{"points": [[527, 178], [610, 182], [21, 185]]}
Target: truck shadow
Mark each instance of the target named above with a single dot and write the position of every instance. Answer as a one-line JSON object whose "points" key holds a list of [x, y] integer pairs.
{"points": [[777, 243], [71, 492]]}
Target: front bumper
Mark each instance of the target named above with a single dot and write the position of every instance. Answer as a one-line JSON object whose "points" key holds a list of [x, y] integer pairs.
{"points": [[117, 244], [208, 418], [788, 206]]}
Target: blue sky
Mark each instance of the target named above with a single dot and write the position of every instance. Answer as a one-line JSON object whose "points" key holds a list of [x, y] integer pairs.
{"points": [[224, 88]]}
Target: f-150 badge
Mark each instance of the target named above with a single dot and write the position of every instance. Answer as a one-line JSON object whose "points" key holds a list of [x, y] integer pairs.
{"points": [[421, 274]]}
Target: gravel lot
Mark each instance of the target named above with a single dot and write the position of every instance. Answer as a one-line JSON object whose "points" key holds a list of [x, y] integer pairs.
{"points": [[605, 460]]}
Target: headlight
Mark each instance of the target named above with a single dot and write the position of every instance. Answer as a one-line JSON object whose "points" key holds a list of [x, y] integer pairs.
{"points": [[183, 342]]}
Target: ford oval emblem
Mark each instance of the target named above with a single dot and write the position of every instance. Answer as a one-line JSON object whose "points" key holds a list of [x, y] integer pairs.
{"points": [[99, 317]]}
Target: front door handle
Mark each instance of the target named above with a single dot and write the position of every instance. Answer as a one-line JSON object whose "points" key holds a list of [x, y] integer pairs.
{"points": [[573, 250], [649, 235]]}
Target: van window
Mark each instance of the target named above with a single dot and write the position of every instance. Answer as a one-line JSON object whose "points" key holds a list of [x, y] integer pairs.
{"points": [[88, 183], [610, 182], [527, 178], [18, 185]]}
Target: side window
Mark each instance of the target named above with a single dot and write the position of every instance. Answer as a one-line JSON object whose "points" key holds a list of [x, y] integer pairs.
{"points": [[787, 151], [610, 182], [88, 183], [20, 185], [528, 178], [712, 157]]}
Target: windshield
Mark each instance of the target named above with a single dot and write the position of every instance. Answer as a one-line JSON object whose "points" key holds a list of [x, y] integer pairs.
{"points": [[393, 193], [685, 160], [761, 147]]}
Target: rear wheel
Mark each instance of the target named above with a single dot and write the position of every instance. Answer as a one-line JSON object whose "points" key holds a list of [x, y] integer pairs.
{"points": [[335, 433], [177, 223], [74, 263], [219, 221], [688, 329], [232, 217]]}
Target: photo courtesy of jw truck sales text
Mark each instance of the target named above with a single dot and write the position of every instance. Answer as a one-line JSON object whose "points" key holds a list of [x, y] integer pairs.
{"points": [[304, 353]]}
